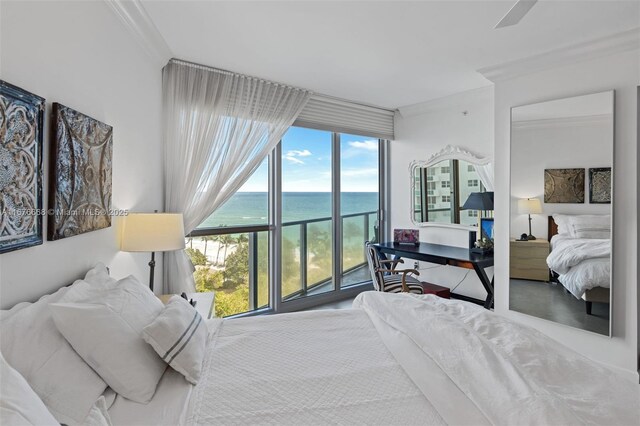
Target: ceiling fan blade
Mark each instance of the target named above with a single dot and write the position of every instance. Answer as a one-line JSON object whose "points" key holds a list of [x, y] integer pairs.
{"points": [[516, 13]]}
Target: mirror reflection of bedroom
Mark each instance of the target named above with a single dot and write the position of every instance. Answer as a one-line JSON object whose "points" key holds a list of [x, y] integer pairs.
{"points": [[561, 192]]}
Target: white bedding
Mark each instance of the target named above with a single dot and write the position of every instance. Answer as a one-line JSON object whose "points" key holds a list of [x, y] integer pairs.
{"points": [[512, 373], [398, 359], [582, 263], [320, 367]]}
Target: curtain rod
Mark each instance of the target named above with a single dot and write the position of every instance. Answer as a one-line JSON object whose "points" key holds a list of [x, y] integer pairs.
{"points": [[226, 72], [223, 71]]}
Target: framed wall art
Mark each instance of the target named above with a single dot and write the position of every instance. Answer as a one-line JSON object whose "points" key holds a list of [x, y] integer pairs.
{"points": [[80, 189], [600, 185], [564, 186], [21, 124]]}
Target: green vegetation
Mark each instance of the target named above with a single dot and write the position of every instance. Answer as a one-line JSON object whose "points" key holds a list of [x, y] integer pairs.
{"points": [[196, 256]]}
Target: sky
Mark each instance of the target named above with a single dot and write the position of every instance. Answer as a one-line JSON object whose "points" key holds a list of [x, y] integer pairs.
{"points": [[306, 163]]}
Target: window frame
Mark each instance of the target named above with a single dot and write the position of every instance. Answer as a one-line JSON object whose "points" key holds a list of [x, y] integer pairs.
{"points": [[274, 229]]}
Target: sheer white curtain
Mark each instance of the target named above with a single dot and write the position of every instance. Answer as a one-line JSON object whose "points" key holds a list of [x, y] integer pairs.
{"points": [[485, 172], [218, 127]]}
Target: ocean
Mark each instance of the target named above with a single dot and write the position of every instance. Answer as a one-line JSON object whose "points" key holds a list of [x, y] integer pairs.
{"points": [[251, 208]]}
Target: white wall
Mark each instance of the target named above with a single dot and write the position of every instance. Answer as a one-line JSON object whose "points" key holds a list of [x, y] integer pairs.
{"points": [[620, 72], [78, 54], [422, 130], [558, 144]]}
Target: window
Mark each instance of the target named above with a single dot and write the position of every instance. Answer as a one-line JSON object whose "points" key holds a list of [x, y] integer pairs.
{"points": [[451, 192], [472, 213], [223, 260], [320, 249]]}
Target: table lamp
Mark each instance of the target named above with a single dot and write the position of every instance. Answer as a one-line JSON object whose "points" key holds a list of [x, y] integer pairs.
{"points": [[481, 201], [152, 232], [529, 206]]}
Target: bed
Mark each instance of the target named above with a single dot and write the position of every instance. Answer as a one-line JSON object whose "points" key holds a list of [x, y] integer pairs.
{"points": [[581, 261], [392, 359]]}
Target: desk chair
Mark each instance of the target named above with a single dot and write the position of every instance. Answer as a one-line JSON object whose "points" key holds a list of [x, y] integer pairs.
{"points": [[387, 278]]}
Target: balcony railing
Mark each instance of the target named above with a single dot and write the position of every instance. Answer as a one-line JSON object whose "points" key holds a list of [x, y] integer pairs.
{"points": [[307, 262]]}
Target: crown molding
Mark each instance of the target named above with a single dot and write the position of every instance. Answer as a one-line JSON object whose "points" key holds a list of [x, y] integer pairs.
{"points": [[596, 48], [138, 22], [584, 120]]}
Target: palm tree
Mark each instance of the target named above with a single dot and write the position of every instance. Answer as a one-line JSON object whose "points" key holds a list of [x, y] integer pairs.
{"points": [[226, 240], [217, 239]]}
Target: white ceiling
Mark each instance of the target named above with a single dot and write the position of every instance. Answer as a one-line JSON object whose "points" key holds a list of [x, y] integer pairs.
{"points": [[386, 53]]}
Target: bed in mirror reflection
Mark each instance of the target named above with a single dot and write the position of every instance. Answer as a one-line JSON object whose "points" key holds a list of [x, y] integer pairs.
{"points": [[561, 210]]}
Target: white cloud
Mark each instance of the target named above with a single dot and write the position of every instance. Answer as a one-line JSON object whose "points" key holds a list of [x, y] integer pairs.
{"points": [[293, 159], [293, 155], [370, 145], [297, 153]]}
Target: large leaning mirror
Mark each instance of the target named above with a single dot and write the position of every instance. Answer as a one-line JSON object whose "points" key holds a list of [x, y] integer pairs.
{"points": [[561, 210], [441, 185]]}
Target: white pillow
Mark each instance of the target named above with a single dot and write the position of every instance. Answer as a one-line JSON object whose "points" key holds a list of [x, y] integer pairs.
{"points": [[562, 221], [99, 275], [106, 331], [32, 345], [590, 226], [179, 336], [19, 404]]}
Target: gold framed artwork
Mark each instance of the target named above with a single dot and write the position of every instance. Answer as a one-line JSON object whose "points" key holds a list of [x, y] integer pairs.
{"points": [[564, 186], [21, 124], [80, 184], [600, 185]]}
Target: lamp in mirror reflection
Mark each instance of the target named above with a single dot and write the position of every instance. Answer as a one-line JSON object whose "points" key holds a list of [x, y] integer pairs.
{"points": [[481, 201], [529, 206], [152, 232]]}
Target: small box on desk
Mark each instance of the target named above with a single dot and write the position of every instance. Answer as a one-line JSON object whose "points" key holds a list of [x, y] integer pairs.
{"points": [[438, 290]]}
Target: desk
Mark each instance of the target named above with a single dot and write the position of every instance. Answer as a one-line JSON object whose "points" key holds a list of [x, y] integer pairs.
{"points": [[447, 255]]}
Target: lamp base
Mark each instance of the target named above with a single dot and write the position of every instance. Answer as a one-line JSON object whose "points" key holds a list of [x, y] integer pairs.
{"points": [[530, 237], [152, 265]]}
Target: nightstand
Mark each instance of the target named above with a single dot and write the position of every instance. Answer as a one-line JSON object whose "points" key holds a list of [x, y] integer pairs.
{"points": [[205, 302], [528, 260]]}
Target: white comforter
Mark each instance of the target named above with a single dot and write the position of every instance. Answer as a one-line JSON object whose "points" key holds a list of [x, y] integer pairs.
{"points": [[467, 366], [581, 263], [321, 367]]}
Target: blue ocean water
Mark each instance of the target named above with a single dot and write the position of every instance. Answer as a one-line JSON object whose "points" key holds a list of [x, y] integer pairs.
{"points": [[251, 208]]}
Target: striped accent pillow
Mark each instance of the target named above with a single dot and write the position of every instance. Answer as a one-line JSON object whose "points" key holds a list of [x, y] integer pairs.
{"points": [[179, 336], [591, 226]]}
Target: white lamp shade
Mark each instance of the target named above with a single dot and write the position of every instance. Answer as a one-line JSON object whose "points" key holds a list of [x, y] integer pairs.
{"points": [[529, 206], [152, 232]]}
